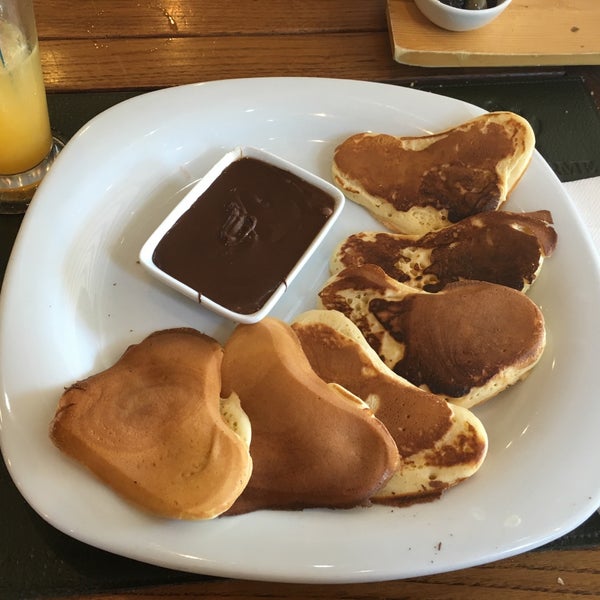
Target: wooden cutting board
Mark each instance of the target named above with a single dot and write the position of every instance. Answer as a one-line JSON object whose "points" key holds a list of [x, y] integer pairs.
{"points": [[527, 33]]}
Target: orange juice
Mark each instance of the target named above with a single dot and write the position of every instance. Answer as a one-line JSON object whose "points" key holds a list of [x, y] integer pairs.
{"points": [[25, 136]]}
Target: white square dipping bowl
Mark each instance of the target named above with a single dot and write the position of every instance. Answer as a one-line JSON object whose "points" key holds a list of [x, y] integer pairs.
{"points": [[195, 194]]}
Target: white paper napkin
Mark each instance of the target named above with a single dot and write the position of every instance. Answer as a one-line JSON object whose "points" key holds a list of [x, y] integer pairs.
{"points": [[585, 194]]}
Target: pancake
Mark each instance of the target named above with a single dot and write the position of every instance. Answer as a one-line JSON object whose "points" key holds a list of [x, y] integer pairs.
{"points": [[313, 445], [154, 428], [500, 247], [440, 444], [414, 185], [466, 343]]}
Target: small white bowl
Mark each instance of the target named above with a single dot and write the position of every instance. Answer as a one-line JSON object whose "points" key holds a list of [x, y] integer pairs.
{"points": [[195, 195], [459, 19]]}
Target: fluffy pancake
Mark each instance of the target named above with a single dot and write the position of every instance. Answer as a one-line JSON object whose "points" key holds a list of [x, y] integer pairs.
{"points": [[153, 427], [466, 343], [439, 444], [501, 247], [313, 444], [418, 184]]}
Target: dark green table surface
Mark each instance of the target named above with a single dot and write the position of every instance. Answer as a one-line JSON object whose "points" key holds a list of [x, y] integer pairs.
{"points": [[37, 561]]}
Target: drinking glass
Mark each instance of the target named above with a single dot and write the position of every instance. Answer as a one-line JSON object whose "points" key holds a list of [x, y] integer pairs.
{"points": [[27, 146]]}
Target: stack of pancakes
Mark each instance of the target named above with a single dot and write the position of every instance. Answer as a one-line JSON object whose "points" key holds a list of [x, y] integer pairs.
{"points": [[366, 399], [440, 296], [297, 429]]}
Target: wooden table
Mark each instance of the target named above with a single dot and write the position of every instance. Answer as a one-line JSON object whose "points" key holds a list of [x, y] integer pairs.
{"points": [[115, 45], [144, 44]]}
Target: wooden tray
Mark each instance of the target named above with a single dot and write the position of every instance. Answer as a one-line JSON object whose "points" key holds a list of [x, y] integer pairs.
{"points": [[528, 33]]}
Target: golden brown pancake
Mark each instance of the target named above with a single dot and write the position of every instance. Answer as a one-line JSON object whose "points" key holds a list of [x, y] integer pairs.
{"points": [[466, 343], [501, 247], [313, 444], [151, 427], [439, 444], [418, 184]]}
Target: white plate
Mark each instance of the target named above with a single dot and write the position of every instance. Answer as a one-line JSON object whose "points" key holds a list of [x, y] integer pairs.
{"points": [[75, 297]]}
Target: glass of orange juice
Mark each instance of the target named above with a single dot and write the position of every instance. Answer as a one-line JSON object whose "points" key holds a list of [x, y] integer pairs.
{"points": [[27, 146]]}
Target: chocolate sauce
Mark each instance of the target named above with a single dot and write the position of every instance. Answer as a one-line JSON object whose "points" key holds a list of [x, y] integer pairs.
{"points": [[238, 242]]}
